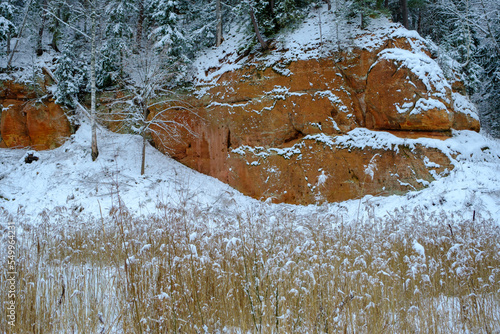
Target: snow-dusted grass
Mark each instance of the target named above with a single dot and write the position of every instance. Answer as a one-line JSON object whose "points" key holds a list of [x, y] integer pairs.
{"points": [[187, 270], [177, 251]]}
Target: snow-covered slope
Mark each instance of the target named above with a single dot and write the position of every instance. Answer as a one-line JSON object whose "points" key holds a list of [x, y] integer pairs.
{"points": [[319, 35], [65, 180]]}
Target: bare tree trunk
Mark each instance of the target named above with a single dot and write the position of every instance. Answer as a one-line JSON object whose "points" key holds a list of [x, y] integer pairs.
{"points": [[320, 30], [39, 49], [140, 21], [329, 4], [263, 44], [219, 23], [143, 162], [56, 33], [95, 150], [490, 30], [419, 23], [362, 15], [9, 40], [19, 34], [145, 114], [404, 12]]}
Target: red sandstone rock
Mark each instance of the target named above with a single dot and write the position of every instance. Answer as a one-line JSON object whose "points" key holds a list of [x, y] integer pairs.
{"points": [[11, 90], [322, 173], [249, 130], [398, 99], [47, 124], [13, 127], [27, 123]]}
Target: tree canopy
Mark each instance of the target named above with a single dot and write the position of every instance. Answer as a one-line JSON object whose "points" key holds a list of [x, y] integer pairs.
{"points": [[466, 34]]}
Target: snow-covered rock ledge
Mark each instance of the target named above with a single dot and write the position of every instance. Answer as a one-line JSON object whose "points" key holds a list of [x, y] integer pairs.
{"points": [[261, 117]]}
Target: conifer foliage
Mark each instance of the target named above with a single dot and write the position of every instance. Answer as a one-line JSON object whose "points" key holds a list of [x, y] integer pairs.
{"points": [[7, 27], [466, 34], [71, 76], [167, 33]]}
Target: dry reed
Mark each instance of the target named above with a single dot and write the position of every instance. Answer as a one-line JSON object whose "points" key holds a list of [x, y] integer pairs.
{"points": [[189, 271]]}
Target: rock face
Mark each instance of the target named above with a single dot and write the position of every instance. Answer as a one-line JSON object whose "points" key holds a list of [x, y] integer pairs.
{"points": [[30, 122], [291, 131]]}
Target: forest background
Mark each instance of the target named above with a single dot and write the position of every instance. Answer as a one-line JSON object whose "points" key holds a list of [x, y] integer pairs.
{"points": [[464, 36]]}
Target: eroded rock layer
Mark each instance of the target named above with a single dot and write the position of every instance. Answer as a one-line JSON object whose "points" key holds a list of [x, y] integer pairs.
{"points": [[282, 131], [29, 121]]}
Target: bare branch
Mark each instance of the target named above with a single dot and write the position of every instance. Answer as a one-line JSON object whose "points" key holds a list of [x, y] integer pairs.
{"points": [[68, 25]]}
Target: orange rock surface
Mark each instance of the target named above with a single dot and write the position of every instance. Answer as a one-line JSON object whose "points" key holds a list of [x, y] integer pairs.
{"points": [[29, 122], [254, 129]]}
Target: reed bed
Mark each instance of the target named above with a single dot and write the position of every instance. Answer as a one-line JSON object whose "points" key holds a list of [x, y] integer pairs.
{"points": [[191, 271]]}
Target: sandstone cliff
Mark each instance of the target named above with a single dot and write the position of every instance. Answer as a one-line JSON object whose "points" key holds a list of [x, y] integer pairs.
{"points": [[288, 128], [29, 120], [301, 122]]}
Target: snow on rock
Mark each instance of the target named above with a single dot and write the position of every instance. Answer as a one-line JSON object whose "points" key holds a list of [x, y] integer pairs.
{"points": [[319, 35], [65, 180], [422, 66], [406, 90], [464, 105], [273, 119], [311, 139]]}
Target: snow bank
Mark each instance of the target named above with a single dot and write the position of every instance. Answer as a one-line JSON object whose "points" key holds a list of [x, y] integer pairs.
{"points": [[319, 35], [66, 179]]}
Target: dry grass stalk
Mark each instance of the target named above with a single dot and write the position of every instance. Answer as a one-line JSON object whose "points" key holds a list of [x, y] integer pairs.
{"points": [[181, 271]]}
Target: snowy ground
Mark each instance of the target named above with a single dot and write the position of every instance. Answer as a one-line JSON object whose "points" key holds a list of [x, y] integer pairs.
{"points": [[67, 179], [319, 35]]}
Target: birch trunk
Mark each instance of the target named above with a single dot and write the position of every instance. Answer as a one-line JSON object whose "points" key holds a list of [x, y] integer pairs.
{"points": [[144, 134], [95, 150], [143, 162], [219, 23]]}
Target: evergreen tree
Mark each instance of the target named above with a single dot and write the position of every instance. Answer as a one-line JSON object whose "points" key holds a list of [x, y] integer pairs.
{"points": [[268, 17], [469, 30], [488, 97], [118, 14], [361, 10], [289, 12], [167, 33], [71, 76], [200, 22], [218, 18], [7, 26], [274, 15], [118, 45]]}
